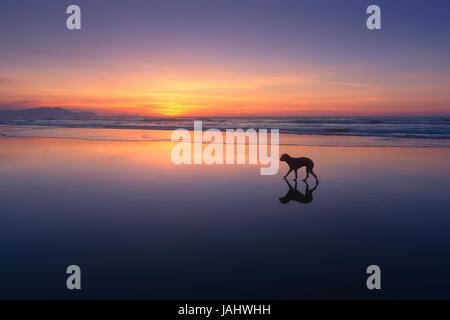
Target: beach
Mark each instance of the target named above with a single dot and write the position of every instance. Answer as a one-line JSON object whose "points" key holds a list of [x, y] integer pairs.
{"points": [[149, 150], [141, 227]]}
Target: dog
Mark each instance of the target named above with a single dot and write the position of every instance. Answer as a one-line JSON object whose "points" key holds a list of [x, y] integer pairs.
{"points": [[297, 163]]}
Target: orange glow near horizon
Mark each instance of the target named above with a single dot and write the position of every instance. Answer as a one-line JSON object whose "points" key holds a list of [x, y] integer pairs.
{"points": [[205, 90]]}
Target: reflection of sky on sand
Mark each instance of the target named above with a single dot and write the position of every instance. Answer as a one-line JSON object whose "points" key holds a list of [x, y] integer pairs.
{"points": [[123, 211]]}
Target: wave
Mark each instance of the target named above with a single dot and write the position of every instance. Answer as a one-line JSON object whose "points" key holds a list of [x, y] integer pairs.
{"points": [[430, 128]]}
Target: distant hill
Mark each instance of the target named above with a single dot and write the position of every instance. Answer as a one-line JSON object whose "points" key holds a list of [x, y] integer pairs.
{"points": [[45, 113]]}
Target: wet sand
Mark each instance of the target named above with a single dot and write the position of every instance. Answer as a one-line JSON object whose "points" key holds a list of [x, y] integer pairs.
{"points": [[142, 227]]}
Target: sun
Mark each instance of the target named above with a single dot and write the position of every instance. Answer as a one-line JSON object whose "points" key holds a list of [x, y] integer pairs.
{"points": [[174, 109]]}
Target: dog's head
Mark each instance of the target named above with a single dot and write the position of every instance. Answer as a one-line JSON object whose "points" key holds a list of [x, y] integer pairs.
{"points": [[285, 157]]}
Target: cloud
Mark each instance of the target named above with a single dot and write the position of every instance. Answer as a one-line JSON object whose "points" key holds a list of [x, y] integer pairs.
{"points": [[19, 104], [4, 81]]}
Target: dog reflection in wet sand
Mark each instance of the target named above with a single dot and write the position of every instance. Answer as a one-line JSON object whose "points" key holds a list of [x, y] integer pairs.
{"points": [[294, 195]]}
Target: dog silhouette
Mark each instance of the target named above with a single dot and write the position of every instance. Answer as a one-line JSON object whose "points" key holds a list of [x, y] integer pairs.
{"points": [[297, 163], [294, 195]]}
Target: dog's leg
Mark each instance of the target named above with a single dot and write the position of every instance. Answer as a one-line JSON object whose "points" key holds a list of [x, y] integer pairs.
{"points": [[307, 174], [295, 175], [290, 170]]}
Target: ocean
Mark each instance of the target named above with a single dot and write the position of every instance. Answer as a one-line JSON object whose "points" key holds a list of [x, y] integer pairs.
{"points": [[332, 131]]}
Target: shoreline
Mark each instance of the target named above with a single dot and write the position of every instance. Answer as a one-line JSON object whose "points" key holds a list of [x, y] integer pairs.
{"points": [[205, 143], [160, 135]]}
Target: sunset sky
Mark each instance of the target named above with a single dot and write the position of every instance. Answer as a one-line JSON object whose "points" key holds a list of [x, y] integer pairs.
{"points": [[233, 57]]}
